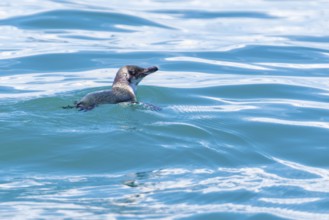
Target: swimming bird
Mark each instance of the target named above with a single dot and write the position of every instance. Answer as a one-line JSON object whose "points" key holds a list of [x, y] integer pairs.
{"points": [[123, 88]]}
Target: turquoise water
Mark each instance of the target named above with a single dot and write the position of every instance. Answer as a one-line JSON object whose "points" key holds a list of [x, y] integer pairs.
{"points": [[243, 131]]}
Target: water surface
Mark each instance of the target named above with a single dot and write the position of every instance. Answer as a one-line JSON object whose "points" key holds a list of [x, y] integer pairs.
{"points": [[243, 130]]}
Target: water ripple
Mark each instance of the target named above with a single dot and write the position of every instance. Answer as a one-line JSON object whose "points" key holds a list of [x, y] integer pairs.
{"points": [[147, 190], [195, 14], [217, 62], [83, 20], [316, 124]]}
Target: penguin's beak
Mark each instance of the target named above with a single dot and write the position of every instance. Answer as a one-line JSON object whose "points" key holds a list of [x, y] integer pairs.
{"points": [[150, 70]]}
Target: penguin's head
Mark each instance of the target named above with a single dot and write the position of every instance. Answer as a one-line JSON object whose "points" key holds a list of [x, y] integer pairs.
{"points": [[133, 74]]}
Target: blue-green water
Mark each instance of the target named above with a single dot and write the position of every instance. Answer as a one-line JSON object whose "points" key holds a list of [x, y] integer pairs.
{"points": [[243, 131]]}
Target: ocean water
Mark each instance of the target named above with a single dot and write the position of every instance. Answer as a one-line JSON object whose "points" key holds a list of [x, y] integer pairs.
{"points": [[244, 128]]}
